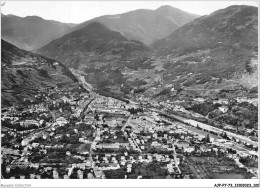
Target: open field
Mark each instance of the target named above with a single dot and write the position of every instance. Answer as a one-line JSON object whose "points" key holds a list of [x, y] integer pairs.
{"points": [[228, 176], [213, 168]]}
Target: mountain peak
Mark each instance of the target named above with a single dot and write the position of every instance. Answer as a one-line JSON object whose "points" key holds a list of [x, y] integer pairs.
{"points": [[175, 12], [167, 7], [145, 25], [34, 18], [232, 24], [96, 30]]}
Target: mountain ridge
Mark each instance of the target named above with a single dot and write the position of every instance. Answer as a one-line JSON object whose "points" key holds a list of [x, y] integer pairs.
{"points": [[215, 24], [143, 24], [94, 37], [31, 32]]}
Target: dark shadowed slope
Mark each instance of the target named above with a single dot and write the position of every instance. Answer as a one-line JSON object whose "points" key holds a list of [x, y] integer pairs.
{"points": [[100, 53], [214, 51], [80, 45], [24, 73], [235, 26]]}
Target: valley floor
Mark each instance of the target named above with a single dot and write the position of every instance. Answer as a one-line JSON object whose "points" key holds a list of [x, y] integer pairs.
{"points": [[87, 135]]}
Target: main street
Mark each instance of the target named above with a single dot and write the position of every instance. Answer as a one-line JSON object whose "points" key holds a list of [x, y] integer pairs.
{"points": [[93, 144], [127, 122]]}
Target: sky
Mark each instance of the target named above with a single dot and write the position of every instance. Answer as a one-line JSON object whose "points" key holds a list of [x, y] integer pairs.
{"points": [[80, 11]]}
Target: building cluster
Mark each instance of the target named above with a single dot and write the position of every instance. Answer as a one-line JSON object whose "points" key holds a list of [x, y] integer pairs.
{"points": [[86, 136]]}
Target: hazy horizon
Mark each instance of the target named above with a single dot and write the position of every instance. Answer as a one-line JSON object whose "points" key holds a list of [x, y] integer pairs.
{"points": [[80, 11]]}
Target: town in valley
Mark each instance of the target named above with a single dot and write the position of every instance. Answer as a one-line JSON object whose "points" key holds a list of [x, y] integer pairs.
{"points": [[84, 135], [146, 94]]}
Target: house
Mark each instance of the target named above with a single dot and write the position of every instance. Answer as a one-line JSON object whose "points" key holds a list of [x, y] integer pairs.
{"points": [[81, 165], [65, 99], [55, 174], [223, 109], [109, 166], [122, 158], [228, 127], [170, 167], [68, 153], [181, 144], [200, 100], [28, 122], [99, 174], [44, 136], [34, 165], [243, 154], [108, 146], [203, 148], [61, 121], [158, 157], [35, 144], [129, 167], [88, 163], [25, 142], [8, 168], [81, 139], [223, 150], [25, 159], [189, 149]]}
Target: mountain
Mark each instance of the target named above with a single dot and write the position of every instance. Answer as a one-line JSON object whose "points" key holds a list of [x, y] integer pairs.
{"points": [[93, 41], [145, 25], [213, 48], [32, 31], [23, 74], [235, 25], [102, 54], [210, 54]]}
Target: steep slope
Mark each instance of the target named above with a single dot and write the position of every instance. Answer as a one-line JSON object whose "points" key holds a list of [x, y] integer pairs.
{"points": [[31, 32], [95, 40], [23, 74], [100, 52], [235, 25], [210, 49], [145, 25]]}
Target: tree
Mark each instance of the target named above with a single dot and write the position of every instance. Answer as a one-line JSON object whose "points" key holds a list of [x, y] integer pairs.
{"points": [[208, 138], [224, 135], [96, 117]]}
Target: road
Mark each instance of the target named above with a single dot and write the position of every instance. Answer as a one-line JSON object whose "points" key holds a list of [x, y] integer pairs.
{"points": [[85, 106], [123, 128], [93, 144], [135, 143], [82, 80], [127, 122], [175, 159]]}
